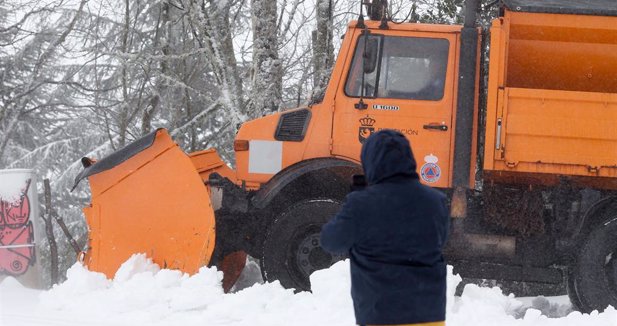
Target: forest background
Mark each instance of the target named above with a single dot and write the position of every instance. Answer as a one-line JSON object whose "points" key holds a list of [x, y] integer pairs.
{"points": [[86, 77]]}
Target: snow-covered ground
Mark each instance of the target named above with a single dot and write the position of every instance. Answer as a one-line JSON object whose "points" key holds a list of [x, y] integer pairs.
{"points": [[142, 294]]}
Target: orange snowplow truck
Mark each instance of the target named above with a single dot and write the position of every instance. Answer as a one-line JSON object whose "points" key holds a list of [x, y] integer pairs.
{"points": [[531, 174]]}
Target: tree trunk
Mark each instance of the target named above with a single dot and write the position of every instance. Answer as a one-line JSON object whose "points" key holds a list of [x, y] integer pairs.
{"points": [[323, 50], [123, 117], [267, 75], [215, 36], [49, 230], [163, 27]]}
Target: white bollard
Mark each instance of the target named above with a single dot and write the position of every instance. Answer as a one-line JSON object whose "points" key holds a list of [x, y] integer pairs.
{"points": [[21, 230]]}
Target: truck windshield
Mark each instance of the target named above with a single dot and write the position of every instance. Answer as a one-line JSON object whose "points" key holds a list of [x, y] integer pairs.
{"points": [[408, 68]]}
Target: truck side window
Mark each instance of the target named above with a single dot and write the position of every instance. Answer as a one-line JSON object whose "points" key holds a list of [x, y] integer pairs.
{"points": [[354, 81], [411, 68]]}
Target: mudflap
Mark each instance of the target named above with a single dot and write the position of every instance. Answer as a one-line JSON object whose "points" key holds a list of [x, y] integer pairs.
{"points": [[148, 198], [232, 267]]}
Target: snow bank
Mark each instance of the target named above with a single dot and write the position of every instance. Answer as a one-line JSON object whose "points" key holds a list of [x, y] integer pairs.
{"points": [[489, 306], [15, 299], [143, 294]]}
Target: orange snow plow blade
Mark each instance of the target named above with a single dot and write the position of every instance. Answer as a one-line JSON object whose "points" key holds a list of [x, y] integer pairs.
{"points": [[148, 198]]}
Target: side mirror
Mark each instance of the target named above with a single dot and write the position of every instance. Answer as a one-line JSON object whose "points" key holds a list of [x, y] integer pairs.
{"points": [[371, 50]]}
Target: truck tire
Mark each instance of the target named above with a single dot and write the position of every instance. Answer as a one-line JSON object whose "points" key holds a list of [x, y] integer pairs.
{"points": [[594, 283], [291, 249], [571, 287]]}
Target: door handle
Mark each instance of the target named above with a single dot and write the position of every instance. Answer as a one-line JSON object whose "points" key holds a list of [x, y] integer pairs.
{"points": [[436, 126]]}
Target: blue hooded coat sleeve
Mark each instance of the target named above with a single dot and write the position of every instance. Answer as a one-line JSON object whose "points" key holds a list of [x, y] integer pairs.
{"points": [[339, 235]]}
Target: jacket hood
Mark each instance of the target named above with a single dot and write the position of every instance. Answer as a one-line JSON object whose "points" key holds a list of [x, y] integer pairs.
{"points": [[387, 153]]}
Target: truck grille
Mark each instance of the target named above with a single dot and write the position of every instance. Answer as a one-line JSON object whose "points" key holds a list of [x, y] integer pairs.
{"points": [[292, 126]]}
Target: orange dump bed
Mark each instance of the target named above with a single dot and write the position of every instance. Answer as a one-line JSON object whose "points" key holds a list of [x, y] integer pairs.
{"points": [[552, 102]]}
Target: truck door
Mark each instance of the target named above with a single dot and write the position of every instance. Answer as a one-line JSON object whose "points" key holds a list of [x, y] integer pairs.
{"points": [[408, 87]]}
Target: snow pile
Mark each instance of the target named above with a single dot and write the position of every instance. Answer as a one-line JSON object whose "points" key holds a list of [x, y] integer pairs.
{"points": [[489, 306], [141, 294], [15, 300], [12, 184]]}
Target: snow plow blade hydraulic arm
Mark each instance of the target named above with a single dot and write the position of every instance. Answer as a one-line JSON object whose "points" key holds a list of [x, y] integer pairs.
{"points": [[148, 198]]}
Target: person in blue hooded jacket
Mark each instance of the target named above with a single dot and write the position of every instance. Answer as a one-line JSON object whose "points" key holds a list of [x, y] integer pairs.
{"points": [[393, 230]]}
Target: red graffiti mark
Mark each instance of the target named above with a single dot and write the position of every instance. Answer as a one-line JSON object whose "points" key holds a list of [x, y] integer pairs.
{"points": [[16, 235], [17, 214], [16, 250]]}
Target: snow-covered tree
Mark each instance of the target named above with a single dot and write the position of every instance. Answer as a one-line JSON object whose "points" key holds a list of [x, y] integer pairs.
{"points": [[266, 74], [323, 49]]}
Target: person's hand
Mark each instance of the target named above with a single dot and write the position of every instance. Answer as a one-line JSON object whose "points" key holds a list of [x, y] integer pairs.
{"points": [[358, 182]]}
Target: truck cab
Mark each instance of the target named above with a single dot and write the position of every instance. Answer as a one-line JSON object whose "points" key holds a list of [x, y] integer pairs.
{"points": [[410, 86]]}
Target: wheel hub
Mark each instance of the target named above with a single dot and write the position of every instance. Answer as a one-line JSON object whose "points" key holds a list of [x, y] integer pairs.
{"points": [[311, 257]]}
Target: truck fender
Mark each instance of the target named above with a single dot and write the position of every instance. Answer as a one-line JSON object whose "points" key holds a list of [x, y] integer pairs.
{"points": [[594, 214], [270, 190]]}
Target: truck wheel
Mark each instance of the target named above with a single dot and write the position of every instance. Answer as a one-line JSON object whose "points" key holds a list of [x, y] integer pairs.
{"points": [[571, 287], [292, 248], [595, 275]]}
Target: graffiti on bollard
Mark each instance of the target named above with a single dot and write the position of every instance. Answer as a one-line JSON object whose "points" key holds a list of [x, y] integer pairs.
{"points": [[17, 252]]}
